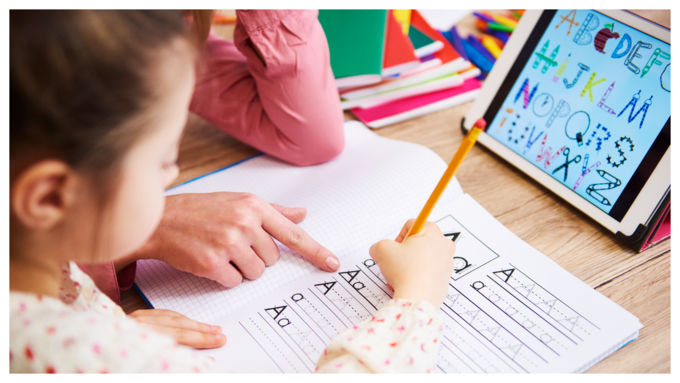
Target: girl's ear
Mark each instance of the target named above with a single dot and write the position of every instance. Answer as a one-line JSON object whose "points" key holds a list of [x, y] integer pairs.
{"points": [[42, 195]]}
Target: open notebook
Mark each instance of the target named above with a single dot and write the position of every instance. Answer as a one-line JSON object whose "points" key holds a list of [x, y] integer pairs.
{"points": [[509, 309]]}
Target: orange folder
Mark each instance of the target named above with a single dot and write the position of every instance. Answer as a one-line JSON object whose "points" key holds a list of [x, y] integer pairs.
{"points": [[399, 51]]}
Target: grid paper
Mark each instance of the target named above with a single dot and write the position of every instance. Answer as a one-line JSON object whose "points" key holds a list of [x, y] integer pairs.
{"points": [[358, 198]]}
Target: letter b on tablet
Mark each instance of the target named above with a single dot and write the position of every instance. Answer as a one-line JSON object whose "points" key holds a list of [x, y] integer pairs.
{"points": [[583, 36]]}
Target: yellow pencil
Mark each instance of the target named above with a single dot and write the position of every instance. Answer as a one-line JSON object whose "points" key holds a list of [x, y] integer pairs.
{"points": [[491, 46], [505, 21], [463, 150]]}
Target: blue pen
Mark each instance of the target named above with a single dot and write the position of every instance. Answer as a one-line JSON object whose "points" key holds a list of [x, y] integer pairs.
{"points": [[484, 17], [447, 35], [477, 58], [481, 48], [502, 36], [457, 42]]}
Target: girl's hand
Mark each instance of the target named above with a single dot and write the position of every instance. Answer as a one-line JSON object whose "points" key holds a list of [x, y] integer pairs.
{"points": [[185, 331], [419, 267]]}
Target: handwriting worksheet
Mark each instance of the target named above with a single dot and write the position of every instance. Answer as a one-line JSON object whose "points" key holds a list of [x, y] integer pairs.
{"points": [[509, 309]]}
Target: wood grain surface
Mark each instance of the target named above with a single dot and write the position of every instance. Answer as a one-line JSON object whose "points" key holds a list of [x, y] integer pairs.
{"points": [[639, 282]]}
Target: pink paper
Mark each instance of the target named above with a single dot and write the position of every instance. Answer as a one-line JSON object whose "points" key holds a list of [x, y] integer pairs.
{"points": [[406, 104]]}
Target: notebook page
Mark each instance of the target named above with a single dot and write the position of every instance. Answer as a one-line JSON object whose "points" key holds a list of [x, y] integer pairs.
{"points": [[351, 202], [509, 309]]}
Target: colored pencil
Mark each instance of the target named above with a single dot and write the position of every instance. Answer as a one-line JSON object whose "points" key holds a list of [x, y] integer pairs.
{"points": [[501, 27], [505, 21], [474, 41], [484, 17], [491, 45], [478, 59], [502, 36], [498, 41], [457, 43]]}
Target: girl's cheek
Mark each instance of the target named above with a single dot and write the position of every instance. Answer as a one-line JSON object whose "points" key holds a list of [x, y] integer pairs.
{"points": [[153, 209], [140, 209], [170, 175]]}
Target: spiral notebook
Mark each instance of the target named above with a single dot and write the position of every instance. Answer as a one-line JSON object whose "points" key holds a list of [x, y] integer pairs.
{"points": [[509, 309]]}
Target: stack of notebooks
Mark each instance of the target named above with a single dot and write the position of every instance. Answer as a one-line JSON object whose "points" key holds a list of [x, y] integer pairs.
{"points": [[392, 65]]}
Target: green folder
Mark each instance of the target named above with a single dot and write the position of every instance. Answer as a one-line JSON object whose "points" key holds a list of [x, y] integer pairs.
{"points": [[356, 41], [423, 43], [418, 38]]}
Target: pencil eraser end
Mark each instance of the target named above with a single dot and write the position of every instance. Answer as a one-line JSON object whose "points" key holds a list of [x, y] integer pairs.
{"points": [[481, 124]]}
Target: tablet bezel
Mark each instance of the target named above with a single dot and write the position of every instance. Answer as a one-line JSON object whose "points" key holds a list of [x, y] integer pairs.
{"points": [[657, 185]]}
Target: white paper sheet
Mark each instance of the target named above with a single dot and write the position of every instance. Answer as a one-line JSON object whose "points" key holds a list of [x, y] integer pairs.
{"points": [[509, 309]]}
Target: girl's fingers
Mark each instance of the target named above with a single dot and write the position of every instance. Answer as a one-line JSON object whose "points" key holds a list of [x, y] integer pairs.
{"points": [[404, 230], [383, 249], [175, 320], [190, 338], [156, 312], [432, 227]]}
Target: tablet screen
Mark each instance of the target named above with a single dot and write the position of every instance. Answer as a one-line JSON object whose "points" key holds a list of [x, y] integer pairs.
{"points": [[588, 102]]}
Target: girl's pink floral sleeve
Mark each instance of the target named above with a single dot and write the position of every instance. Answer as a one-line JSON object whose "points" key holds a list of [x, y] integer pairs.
{"points": [[403, 336]]}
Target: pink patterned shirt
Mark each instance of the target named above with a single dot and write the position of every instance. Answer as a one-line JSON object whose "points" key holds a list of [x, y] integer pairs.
{"points": [[84, 331]]}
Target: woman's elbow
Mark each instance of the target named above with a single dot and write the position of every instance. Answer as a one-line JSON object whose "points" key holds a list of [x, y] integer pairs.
{"points": [[320, 151], [322, 143]]}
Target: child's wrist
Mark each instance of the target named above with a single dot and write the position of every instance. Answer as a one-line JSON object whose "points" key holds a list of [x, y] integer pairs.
{"points": [[417, 294]]}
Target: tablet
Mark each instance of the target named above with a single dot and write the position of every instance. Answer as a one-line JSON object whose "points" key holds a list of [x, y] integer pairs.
{"points": [[580, 101]]}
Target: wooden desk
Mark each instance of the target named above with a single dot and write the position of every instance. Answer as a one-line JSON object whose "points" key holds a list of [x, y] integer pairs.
{"points": [[640, 283]]}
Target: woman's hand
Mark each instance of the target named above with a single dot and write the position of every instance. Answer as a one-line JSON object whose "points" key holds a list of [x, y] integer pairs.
{"points": [[185, 331], [419, 267], [228, 236]]}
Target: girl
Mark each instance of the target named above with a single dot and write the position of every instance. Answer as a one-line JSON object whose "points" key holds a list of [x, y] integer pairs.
{"points": [[98, 101]]}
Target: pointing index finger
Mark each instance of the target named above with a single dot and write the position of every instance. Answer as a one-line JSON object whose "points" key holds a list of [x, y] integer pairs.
{"points": [[296, 239]]}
